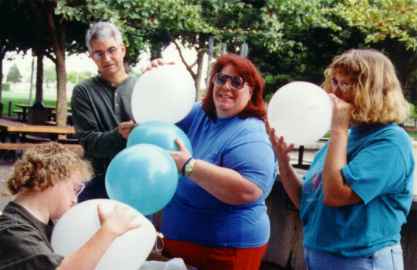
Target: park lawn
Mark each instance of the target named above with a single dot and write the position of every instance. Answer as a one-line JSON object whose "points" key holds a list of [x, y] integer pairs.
{"points": [[20, 100]]}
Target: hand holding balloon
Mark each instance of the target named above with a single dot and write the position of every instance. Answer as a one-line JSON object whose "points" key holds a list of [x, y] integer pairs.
{"points": [[181, 156], [82, 222], [124, 128], [164, 93], [281, 148], [117, 221], [342, 112], [300, 112]]}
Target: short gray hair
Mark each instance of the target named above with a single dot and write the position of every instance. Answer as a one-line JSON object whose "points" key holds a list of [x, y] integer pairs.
{"points": [[102, 30]]}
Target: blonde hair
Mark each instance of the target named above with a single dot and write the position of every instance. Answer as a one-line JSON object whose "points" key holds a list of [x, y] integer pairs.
{"points": [[44, 165], [377, 93]]}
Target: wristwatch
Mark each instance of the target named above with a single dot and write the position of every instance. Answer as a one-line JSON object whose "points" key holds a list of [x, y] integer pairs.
{"points": [[188, 169]]}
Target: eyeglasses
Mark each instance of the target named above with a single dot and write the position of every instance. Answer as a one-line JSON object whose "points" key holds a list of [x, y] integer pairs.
{"points": [[99, 55], [344, 86], [236, 82], [78, 189]]}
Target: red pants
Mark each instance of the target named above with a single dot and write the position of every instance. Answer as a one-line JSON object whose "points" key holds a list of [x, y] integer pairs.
{"points": [[208, 258]]}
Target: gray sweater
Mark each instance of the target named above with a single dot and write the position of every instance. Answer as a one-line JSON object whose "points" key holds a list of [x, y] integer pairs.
{"points": [[97, 109]]}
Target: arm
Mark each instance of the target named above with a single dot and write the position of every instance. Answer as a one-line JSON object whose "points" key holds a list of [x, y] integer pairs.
{"points": [[289, 179], [88, 130], [114, 224], [336, 192], [226, 184]]}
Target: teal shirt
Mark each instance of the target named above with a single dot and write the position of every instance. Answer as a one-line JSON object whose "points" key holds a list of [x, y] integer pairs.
{"points": [[380, 171]]}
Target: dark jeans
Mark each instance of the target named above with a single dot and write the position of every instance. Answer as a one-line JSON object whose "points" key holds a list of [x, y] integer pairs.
{"points": [[94, 189]]}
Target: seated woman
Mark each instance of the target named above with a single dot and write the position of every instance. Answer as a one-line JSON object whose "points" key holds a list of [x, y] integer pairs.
{"points": [[46, 182]]}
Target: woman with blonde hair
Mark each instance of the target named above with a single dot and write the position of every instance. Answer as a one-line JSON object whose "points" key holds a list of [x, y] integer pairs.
{"points": [[46, 182], [358, 191]]}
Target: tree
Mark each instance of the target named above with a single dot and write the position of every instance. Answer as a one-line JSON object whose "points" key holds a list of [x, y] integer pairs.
{"points": [[390, 26], [14, 75], [35, 25]]}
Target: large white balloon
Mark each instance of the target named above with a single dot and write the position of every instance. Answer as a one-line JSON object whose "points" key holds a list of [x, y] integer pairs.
{"points": [[300, 112], [166, 93], [127, 252]]}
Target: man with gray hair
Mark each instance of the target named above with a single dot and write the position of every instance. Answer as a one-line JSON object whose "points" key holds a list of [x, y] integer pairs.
{"points": [[101, 107]]}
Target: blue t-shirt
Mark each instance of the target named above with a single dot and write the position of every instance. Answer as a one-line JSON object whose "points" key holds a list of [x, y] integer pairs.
{"points": [[197, 216], [380, 171]]}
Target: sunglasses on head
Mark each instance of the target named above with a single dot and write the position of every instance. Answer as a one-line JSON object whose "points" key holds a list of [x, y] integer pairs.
{"points": [[236, 82]]}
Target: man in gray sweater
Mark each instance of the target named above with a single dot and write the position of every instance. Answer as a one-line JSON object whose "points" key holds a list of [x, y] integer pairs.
{"points": [[101, 107]]}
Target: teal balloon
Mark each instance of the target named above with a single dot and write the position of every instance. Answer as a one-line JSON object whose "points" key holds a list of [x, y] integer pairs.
{"points": [[158, 133], [143, 176]]}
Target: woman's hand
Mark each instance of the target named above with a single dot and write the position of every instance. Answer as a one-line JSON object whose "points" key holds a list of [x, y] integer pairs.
{"points": [[281, 148], [119, 220], [180, 156], [341, 116]]}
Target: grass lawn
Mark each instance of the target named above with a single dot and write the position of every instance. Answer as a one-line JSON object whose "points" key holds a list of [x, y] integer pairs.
{"points": [[19, 94]]}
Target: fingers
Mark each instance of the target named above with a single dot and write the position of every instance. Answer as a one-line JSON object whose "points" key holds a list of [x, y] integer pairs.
{"points": [[134, 224], [101, 216], [180, 145]]}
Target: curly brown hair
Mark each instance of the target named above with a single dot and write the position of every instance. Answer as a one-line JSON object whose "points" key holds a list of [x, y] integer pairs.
{"points": [[44, 165]]}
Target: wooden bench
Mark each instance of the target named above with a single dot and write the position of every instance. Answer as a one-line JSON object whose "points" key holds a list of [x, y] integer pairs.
{"points": [[14, 146]]}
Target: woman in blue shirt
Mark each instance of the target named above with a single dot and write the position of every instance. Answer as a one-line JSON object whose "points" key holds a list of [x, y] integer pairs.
{"points": [[358, 191], [217, 218]]}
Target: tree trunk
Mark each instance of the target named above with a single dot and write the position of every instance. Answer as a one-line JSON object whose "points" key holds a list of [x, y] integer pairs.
{"points": [[57, 34], [39, 79], [32, 70], [2, 54], [200, 74]]}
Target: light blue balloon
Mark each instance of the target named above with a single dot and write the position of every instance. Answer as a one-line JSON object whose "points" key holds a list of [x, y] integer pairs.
{"points": [[159, 133], [143, 176]]}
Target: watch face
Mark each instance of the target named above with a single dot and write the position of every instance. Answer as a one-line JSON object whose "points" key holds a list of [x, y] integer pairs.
{"points": [[189, 167]]}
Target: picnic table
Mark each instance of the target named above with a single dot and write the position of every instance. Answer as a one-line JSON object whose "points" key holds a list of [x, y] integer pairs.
{"points": [[12, 135], [22, 128]]}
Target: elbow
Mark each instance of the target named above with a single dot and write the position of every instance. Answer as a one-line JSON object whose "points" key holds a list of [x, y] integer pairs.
{"points": [[246, 197], [331, 201]]}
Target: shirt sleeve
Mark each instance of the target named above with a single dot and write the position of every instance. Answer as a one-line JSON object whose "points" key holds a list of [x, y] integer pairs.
{"points": [[87, 128], [252, 156], [377, 169]]}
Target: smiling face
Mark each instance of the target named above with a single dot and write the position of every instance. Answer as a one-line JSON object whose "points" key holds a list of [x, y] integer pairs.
{"points": [[228, 99], [108, 55]]}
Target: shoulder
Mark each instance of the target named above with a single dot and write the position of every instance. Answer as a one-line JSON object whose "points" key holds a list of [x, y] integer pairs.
{"points": [[20, 240], [251, 126], [87, 84], [396, 135]]}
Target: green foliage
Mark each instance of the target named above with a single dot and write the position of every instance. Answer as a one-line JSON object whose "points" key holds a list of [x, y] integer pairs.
{"points": [[382, 19], [14, 75]]}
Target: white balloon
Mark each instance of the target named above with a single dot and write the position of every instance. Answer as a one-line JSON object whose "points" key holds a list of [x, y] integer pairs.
{"points": [[166, 93], [300, 112], [78, 225]]}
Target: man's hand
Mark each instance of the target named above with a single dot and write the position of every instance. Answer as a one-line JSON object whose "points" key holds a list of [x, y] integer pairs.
{"points": [[125, 128]]}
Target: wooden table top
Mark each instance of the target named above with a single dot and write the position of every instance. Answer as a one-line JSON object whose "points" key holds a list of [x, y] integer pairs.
{"points": [[19, 127]]}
